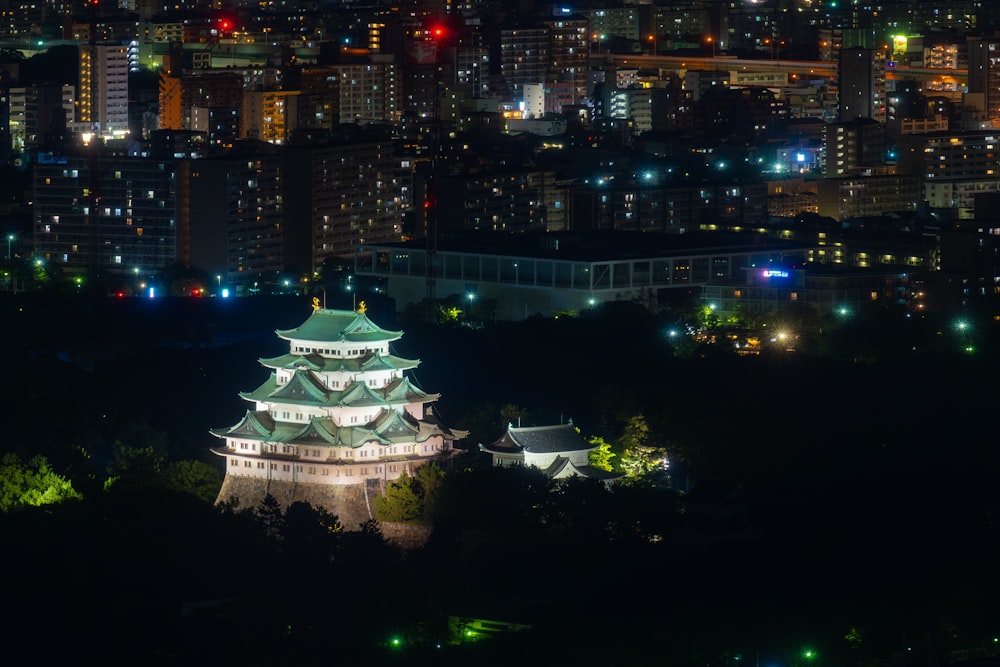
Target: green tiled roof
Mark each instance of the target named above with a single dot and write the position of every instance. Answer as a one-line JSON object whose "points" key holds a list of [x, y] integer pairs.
{"points": [[254, 425], [304, 389], [327, 365], [403, 390], [327, 326], [391, 426], [360, 394], [301, 387]]}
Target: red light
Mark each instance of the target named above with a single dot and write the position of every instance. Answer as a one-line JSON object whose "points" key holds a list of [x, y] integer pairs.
{"points": [[225, 25], [438, 32]]}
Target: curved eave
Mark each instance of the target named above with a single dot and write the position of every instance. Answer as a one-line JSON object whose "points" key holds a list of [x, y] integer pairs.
{"points": [[492, 450], [290, 361], [330, 326]]}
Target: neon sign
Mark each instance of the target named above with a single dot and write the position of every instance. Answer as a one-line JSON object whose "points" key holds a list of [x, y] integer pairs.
{"points": [[774, 273]]}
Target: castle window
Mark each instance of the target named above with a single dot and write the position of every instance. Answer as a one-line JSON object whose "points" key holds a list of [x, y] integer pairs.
{"points": [[234, 462]]}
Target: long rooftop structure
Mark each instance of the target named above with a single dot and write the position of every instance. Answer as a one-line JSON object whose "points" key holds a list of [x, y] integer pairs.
{"points": [[530, 274]]}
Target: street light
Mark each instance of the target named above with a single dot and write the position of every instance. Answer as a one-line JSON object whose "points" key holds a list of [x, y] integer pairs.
{"points": [[10, 239]]}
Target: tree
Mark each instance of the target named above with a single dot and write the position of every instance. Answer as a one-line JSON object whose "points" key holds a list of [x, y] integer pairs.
{"points": [[31, 484], [512, 413], [195, 477], [600, 457], [310, 534], [412, 499], [641, 461], [401, 502]]}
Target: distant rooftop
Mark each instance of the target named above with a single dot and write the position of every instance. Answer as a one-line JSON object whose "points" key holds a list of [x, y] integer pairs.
{"points": [[602, 245]]}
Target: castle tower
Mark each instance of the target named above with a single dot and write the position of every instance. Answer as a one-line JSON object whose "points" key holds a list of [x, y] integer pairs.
{"points": [[336, 420]]}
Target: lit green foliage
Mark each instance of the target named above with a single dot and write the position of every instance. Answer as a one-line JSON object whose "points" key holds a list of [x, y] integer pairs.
{"points": [[412, 499], [401, 502], [31, 484], [641, 461], [450, 313], [854, 638], [600, 457]]}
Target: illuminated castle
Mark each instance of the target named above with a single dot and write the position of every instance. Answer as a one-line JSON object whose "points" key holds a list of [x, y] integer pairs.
{"points": [[336, 420]]}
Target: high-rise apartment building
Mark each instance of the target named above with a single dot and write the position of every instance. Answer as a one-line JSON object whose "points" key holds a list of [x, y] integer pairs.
{"points": [[569, 48], [862, 84], [217, 92], [40, 115], [984, 77], [342, 190], [369, 91], [853, 147], [230, 214], [524, 57], [103, 100], [269, 115], [954, 167], [120, 220]]}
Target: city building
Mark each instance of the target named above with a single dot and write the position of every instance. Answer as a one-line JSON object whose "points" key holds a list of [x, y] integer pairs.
{"points": [[268, 115], [112, 215], [829, 290], [984, 76], [369, 91], [853, 146], [338, 418], [509, 200], [954, 168], [103, 90], [859, 196], [861, 78], [39, 115], [529, 274], [569, 49], [343, 189], [524, 58], [230, 216]]}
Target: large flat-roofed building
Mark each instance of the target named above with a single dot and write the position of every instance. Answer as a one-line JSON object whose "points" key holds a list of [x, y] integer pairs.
{"points": [[530, 274], [827, 289], [859, 196]]}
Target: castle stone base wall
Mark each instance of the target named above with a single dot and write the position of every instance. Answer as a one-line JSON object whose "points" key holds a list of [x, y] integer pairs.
{"points": [[348, 503]]}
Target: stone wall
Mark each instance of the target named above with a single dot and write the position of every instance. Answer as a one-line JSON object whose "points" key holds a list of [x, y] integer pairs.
{"points": [[352, 505]]}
